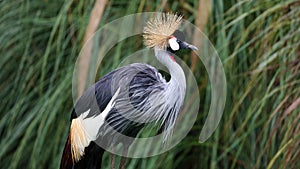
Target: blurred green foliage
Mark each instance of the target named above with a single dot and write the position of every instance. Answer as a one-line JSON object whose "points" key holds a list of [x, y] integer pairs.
{"points": [[257, 40]]}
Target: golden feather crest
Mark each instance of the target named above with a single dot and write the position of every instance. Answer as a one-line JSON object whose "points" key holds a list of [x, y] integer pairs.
{"points": [[159, 29]]}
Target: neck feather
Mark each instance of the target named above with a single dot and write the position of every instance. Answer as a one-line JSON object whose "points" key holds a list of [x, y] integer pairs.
{"points": [[177, 84], [174, 93]]}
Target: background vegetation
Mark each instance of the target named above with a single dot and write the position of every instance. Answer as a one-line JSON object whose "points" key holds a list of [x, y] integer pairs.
{"points": [[257, 40]]}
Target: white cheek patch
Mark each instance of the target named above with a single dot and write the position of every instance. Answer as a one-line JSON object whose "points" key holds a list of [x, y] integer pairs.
{"points": [[173, 44]]}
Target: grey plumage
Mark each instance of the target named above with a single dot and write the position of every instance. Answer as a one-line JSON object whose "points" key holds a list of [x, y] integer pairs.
{"points": [[144, 96]]}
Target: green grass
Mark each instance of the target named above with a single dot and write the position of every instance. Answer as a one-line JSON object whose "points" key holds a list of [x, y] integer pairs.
{"points": [[258, 42]]}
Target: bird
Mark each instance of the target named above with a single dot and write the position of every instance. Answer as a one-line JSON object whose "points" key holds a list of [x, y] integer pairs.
{"points": [[130, 98]]}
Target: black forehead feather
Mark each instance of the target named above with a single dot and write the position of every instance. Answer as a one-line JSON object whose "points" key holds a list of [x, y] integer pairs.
{"points": [[179, 35]]}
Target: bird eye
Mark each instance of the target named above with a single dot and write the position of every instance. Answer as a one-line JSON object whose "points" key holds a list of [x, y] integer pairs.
{"points": [[173, 44]]}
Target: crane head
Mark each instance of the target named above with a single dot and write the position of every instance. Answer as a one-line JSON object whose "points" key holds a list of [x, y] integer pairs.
{"points": [[162, 31], [176, 42]]}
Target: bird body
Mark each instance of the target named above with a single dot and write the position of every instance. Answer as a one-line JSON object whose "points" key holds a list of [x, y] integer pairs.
{"points": [[126, 100]]}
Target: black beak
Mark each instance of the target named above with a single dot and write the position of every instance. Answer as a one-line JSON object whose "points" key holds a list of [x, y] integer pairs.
{"points": [[185, 45]]}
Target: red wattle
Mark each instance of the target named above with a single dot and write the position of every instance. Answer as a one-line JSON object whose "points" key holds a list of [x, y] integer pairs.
{"points": [[172, 57]]}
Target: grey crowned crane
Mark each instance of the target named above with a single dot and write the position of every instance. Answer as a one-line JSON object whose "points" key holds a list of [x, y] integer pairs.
{"points": [[121, 99]]}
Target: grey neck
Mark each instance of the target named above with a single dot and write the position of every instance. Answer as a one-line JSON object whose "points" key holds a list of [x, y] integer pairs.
{"points": [[174, 94], [177, 84]]}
